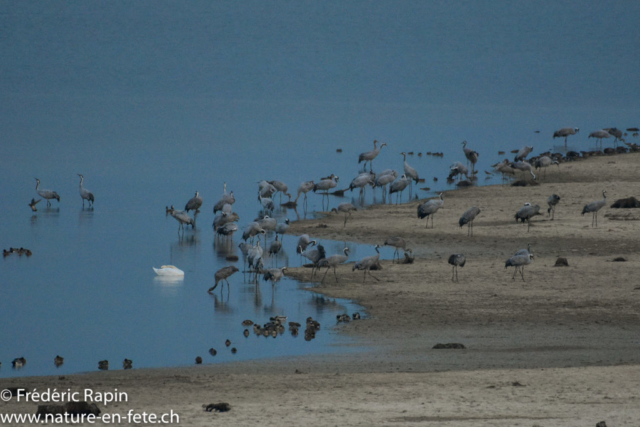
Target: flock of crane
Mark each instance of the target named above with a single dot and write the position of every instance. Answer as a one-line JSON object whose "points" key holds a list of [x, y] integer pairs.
{"points": [[225, 226]]}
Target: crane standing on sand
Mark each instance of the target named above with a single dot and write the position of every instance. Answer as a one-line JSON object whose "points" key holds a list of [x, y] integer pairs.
{"points": [[334, 261], [468, 217], [518, 261], [552, 201], [456, 260], [366, 263], [345, 208], [429, 208], [594, 207]]}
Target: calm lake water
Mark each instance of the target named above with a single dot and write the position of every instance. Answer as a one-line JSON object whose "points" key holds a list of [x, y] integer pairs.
{"points": [[153, 100]]}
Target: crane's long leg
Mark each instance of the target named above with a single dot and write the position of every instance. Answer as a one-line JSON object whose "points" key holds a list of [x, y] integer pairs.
{"points": [[325, 275], [334, 273], [452, 270], [514, 273], [522, 272], [368, 270]]}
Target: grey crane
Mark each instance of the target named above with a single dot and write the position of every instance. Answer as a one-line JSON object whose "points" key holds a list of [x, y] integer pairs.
{"points": [[303, 242], [410, 173], [304, 188], [525, 251], [385, 178], [267, 203], [222, 275], [326, 184], [252, 230], [468, 217], [523, 153], [334, 261], [314, 255], [545, 162], [594, 207], [565, 133], [457, 169], [552, 201], [47, 194], [226, 199], [281, 187], [398, 186], [616, 133], [275, 246], [519, 261], [366, 263], [523, 167], [183, 219], [345, 208], [227, 230], [254, 255], [85, 194], [223, 218], [429, 208], [471, 155], [265, 189], [599, 135], [361, 181], [370, 155], [527, 212], [456, 260], [267, 223], [398, 243], [194, 203], [274, 275], [505, 169], [282, 227]]}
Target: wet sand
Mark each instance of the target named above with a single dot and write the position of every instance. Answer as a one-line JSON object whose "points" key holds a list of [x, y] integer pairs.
{"points": [[567, 337]]}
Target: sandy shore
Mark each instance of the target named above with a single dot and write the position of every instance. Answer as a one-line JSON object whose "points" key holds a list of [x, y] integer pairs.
{"points": [[567, 337]]}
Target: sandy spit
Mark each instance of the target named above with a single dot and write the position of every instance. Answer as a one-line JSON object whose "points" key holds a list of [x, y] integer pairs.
{"points": [[558, 349]]}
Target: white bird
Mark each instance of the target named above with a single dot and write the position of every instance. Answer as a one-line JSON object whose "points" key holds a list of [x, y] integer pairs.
{"points": [[370, 155], [47, 194], [168, 270], [85, 194]]}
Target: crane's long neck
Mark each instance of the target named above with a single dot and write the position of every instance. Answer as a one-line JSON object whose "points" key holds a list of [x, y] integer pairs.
{"points": [[37, 184], [81, 179]]}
